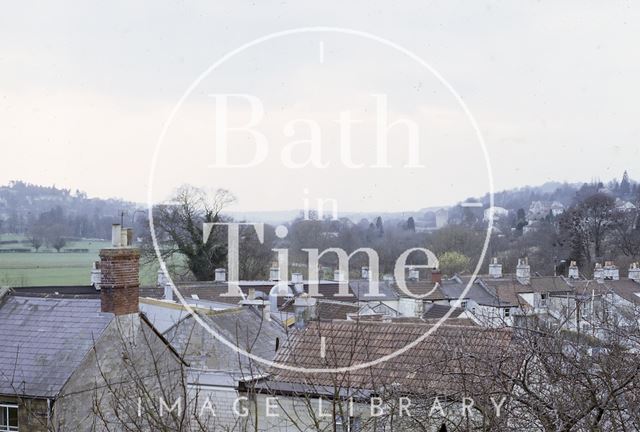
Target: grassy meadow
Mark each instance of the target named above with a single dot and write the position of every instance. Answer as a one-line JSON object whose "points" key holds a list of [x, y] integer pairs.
{"points": [[48, 267]]}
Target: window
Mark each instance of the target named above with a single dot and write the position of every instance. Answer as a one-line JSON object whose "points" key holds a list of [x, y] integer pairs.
{"points": [[8, 418], [507, 312], [348, 424], [543, 300], [463, 304]]}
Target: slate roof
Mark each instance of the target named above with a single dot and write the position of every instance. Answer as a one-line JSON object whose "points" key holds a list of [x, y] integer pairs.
{"points": [[550, 284], [625, 288], [437, 311], [214, 291], [422, 288], [44, 340], [73, 291], [453, 290], [451, 358], [360, 289], [506, 291], [243, 327], [331, 310]]}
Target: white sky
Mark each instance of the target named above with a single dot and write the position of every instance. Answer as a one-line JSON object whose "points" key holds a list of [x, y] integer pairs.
{"points": [[86, 88]]}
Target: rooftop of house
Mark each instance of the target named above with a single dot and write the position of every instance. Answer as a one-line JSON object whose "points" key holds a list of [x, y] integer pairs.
{"points": [[70, 291], [445, 361], [437, 311], [332, 310], [625, 288], [425, 290], [44, 340], [243, 327], [78, 291], [360, 289], [476, 291]]}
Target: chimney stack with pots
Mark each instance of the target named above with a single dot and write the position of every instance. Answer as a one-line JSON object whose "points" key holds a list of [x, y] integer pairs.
{"points": [[574, 272], [120, 268], [611, 271], [634, 272], [523, 271], [598, 272], [495, 269]]}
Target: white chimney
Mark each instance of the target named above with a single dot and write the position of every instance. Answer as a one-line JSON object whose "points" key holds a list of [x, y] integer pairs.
{"points": [[495, 269], [220, 275], [414, 274], [598, 272], [116, 235], [161, 279], [274, 274], [338, 276], [634, 272], [574, 271], [123, 238], [304, 308], [365, 273], [611, 272], [523, 271], [96, 275], [298, 283], [168, 291], [266, 311]]}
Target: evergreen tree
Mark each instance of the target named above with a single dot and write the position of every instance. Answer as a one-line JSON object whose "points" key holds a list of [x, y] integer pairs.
{"points": [[625, 184], [411, 224]]}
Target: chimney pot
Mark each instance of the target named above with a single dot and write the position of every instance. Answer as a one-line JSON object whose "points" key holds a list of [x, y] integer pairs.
{"points": [[116, 235]]}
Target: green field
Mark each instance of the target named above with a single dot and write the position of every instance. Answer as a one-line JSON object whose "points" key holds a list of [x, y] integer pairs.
{"points": [[49, 267]]}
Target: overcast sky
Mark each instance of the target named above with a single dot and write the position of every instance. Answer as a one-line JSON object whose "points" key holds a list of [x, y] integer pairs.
{"points": [[86, 88]]}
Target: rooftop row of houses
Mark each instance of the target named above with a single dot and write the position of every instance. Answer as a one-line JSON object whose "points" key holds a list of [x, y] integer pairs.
{"points": [[71, 353]]}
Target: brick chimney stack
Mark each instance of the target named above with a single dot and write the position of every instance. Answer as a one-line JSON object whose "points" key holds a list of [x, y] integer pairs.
{"points": [[120, 267], [436, 276]]}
